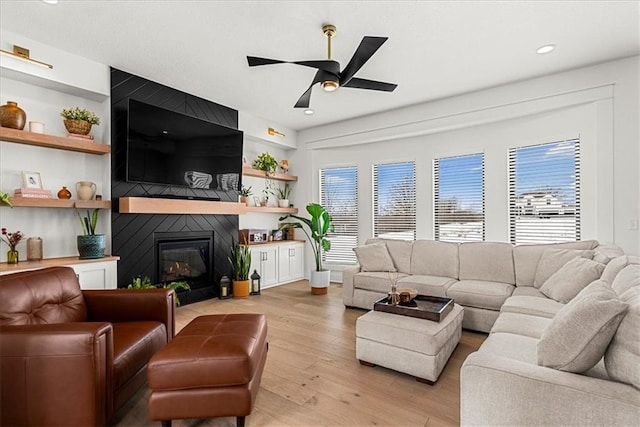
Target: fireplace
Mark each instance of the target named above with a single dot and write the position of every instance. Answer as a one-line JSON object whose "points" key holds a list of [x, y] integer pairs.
{"points": [[184, 256]]}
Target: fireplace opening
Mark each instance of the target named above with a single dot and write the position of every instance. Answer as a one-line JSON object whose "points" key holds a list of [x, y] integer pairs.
{"points": [[184, 256]]}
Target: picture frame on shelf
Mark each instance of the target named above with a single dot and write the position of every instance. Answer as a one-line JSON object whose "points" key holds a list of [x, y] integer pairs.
{"points": [[256, 201], [31, 180]]}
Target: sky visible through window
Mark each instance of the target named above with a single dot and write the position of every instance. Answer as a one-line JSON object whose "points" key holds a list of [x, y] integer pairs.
{"points": [[467, 169], [396, 186]]}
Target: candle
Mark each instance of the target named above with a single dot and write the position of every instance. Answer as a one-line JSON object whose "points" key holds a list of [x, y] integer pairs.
{"points": [[34, 249]]}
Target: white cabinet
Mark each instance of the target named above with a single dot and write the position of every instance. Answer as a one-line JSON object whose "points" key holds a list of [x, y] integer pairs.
{"points": [[278, 262], [290, 262], [97, 275], [264, 259]]}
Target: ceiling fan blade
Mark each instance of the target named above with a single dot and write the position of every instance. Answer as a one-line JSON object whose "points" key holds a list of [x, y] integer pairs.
{"points": [[329, 66], [304, 100], [368, 46], [357, 83]]}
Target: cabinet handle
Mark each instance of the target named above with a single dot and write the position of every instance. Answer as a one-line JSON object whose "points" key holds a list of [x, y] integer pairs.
{"points": [[292, 252]]}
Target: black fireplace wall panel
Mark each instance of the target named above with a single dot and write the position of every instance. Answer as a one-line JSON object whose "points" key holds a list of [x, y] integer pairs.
{"points": [[132, 234]]}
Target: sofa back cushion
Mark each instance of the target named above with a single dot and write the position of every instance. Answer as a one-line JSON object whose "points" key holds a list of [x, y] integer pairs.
{"points": [[488, 261], [526, 258], [49, 295], [553, 259], [574, 276], [374, 257], [400, 252], [434, 258], [616, 265]]}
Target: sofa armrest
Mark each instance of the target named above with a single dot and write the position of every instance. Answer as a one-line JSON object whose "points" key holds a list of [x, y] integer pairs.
{"points": [[347, 283], [502, 391], [56, 373], [130, 305]]}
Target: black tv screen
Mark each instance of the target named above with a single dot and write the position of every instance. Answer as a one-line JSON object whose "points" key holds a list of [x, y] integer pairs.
{"points": [[165, 147]]}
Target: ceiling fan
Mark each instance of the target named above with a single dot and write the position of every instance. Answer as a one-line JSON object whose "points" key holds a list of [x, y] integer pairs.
{"points": [[329, 75]]}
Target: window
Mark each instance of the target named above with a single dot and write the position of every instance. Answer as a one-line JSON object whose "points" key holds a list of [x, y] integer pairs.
{"points": [[394, 200], [339, 196], [544, 192], [459, 198]]}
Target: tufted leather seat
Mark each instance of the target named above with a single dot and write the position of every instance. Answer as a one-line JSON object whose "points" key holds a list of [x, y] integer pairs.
{"points": [[73, 357]]}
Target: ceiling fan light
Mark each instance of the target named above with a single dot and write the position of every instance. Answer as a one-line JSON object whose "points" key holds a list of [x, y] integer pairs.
{"points": [[329, 86]]}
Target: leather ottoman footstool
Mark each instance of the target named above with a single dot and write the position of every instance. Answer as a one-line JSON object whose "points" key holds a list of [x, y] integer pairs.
{"points": [[212, 368]]}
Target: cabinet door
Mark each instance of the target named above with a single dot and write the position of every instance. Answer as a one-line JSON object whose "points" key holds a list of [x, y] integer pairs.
{"points": [[264, 259], [290, 262], [96, 275]]}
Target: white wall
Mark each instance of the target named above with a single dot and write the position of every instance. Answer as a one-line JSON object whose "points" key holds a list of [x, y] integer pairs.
{"points": [[600, 104]]}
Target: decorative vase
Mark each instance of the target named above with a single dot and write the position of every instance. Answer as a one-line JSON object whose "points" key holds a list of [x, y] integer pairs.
{"points": [[64, 193], [13, 256], [91, 246], [80, 127], [34, 249], [12, 116], [85, 190], [319, 281], [283, 203], [240, 288]]}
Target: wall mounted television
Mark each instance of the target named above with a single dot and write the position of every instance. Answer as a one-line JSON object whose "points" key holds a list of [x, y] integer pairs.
{"points": [[169, 148]]}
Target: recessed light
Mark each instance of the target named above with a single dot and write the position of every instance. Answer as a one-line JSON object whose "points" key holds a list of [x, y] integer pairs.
{"points": [[546, 48], [50, 1], [308, 111]]}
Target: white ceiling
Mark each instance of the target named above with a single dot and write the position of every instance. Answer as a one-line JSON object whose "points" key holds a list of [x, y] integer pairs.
{"points": [[435, 49]]}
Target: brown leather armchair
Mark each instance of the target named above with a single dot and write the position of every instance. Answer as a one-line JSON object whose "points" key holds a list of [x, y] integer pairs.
{"points": [[74, 357]]}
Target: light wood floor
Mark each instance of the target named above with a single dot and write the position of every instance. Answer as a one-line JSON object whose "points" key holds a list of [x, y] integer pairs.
{"points": [[312, 377]]}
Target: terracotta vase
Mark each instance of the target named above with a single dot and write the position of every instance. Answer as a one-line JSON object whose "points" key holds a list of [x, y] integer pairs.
{"points": [[64, 193], [12, 116]]}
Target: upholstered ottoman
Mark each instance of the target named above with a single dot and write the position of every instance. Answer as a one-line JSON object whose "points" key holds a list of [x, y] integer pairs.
{"points": [[406, 344], [212, 368]]}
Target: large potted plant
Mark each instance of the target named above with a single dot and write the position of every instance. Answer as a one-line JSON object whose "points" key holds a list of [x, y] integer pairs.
{"points": [[90, 244], [316, 228], [240, 261]]}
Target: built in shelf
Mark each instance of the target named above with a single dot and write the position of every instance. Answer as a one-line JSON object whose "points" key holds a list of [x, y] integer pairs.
{"points": [[51, 141], [29, 202], [52, 262], [148, 205], [262, 174], [271, 209]]}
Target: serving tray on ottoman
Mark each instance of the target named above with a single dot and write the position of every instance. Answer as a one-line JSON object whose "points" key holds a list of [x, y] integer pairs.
{"points": [[422, 306]]}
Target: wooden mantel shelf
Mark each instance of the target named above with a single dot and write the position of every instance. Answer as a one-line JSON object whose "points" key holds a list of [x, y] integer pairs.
{"points": [[262, 174], [148, 205], [51, 141], [28, 202]]}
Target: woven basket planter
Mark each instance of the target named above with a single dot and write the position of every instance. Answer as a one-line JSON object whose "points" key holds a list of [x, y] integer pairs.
{"points": [[80, 127]]}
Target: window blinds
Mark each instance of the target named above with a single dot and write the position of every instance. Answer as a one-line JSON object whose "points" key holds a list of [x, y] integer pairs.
{"points": [[394, 200], [339, 196]]}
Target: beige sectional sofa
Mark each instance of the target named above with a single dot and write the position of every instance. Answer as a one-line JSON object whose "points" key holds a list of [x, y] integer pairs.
{"points": [[515, 377]]}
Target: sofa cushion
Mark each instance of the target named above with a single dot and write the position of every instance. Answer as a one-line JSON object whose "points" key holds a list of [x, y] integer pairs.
{"points": [[627, 278], [528, 291], [374, 257], [521, 324], [574, 276], [578, 336], [376, 281], [427, 285], [133, 345], [622, 359], [526, 258], [604, 253], [534, 306], [480, 294], [435, 258], [400, 252], [616, 265], [553, 259], [491, 262], [511, 346]]}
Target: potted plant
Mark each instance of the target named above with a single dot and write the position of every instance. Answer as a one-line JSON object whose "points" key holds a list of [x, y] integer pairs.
{"points": [[12, 240], [283, 195], [245, 192], [317, 229], [90, 244], [140, 283], [266, 162], [240, 261], [79, 121], [269, 188]]}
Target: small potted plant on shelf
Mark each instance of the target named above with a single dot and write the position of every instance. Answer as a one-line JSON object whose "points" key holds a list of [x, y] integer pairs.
{"points": [[245, 192], [12, 240], [317, 229], [240, 261], [90, 244], [79, 121], [266, 162], [283, 195]]}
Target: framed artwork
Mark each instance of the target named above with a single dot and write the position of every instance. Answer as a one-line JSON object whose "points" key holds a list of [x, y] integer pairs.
{"points": [[31, 180]]}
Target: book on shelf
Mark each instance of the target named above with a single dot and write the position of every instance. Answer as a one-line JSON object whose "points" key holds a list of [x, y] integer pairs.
{"points": [[78, 136], [34, 193]]}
